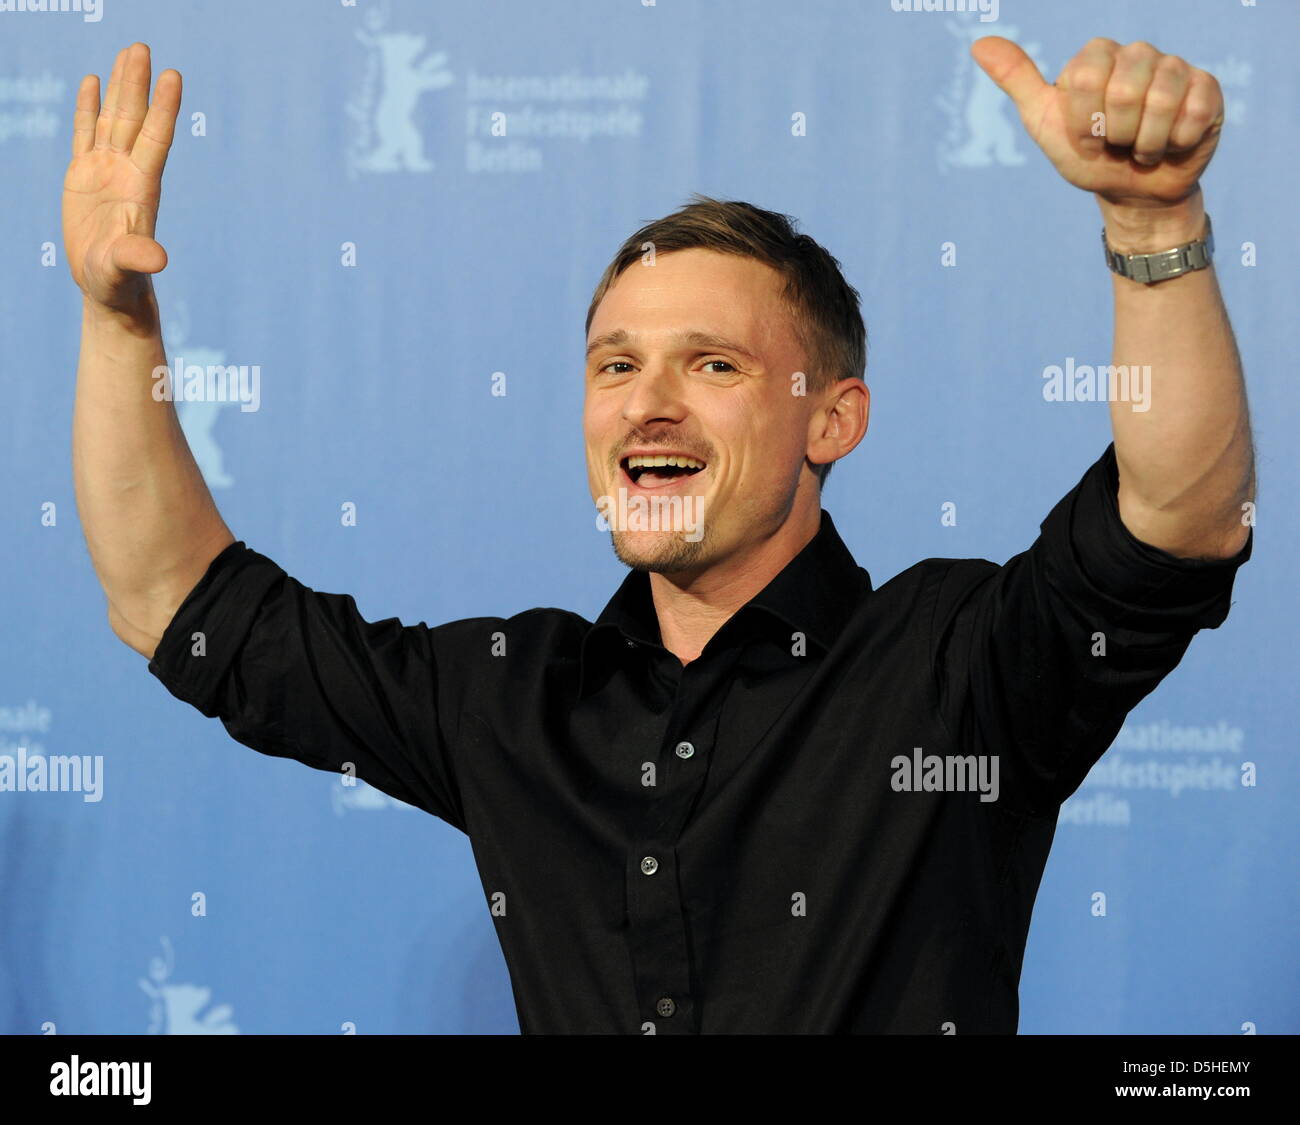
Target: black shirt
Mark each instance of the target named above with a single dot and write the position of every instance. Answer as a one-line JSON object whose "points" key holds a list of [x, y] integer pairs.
{"points": [[753, 842]]}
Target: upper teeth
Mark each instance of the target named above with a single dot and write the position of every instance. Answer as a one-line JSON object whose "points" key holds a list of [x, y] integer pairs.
{"points": [[659, 461]]}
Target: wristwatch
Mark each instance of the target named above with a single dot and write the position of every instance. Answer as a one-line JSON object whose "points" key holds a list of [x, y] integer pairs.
{"points": [[1163, 264]]}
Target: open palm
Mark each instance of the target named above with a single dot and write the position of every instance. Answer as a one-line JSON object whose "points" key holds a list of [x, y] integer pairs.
{"points": [[114, 181]]}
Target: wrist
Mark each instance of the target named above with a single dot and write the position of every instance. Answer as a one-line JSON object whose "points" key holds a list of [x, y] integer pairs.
{"points": [[1146, 230], [139, 318]]}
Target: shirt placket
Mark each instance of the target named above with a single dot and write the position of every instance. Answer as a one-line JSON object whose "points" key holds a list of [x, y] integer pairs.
{"points": [[657, 931]]}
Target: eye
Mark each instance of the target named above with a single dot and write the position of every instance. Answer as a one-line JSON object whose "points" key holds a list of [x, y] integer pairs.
{"points": [[711, 362], [614, 363]]}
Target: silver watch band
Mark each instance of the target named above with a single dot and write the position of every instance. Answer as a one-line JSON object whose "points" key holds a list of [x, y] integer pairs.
{"points": [[1163, 264]]}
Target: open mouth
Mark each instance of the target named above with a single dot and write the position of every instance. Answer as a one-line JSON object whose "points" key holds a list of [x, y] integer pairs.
{"points": [[660, 470]]}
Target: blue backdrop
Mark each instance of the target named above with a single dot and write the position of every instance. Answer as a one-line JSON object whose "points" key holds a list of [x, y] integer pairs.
{"points": [[342, 218]]}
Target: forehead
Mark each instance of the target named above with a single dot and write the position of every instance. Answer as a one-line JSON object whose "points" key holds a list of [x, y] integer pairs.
{"points": [[697, 288]]}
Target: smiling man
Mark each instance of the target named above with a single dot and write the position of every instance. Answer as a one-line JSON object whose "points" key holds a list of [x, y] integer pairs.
{"points": [[757, 793], [699, 392]]}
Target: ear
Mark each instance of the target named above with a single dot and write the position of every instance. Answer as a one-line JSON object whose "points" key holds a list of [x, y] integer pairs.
{"points": [[839, 422]]}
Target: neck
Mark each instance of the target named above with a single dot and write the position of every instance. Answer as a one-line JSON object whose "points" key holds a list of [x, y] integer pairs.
{"points": [[692, 609]]}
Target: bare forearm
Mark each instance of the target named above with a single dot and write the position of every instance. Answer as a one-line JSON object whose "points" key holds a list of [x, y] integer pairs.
{"points": [[150, 523], [1184, 451]]}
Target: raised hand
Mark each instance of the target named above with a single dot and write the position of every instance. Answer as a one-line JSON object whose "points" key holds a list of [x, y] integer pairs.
{"points": [[114, 181], [1133, 125]]}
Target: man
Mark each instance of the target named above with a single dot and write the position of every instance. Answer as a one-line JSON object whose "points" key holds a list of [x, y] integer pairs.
{"points": [[757, 794]]}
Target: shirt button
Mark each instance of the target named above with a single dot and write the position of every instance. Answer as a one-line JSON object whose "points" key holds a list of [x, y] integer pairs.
{"points": [[649, 865], [666, 1007], [631, 644], [685, 749]]}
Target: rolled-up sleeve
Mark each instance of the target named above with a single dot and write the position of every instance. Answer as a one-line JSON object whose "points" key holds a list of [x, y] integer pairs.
{"points": [[1039, 660], [295, 673]]}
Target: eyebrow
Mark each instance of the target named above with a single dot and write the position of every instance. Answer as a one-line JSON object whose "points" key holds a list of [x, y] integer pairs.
{"points": [[693, 337]]}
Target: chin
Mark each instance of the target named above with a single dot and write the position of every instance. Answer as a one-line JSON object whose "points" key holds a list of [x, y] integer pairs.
{"points": [[658, 553]]}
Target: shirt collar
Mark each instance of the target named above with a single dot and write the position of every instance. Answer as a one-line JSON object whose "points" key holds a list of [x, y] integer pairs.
{"points": [[813, 595]]}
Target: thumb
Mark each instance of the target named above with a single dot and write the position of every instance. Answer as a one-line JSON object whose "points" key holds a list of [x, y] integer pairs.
{"points": [[137, 253], [1008, 65]]}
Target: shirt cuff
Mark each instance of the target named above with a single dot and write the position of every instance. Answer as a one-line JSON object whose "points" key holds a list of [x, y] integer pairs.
{"points": [[1096, 560], [221, 607]]}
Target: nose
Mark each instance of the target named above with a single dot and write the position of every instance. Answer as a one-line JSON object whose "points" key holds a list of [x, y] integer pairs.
{"points": [[655, 395]]}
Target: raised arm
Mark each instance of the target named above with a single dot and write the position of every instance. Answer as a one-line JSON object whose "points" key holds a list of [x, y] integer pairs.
{"points": [[290, 671], [150, 523], [1037, 662], [1137, 128]]}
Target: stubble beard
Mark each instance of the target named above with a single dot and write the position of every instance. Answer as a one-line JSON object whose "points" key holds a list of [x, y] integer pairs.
{"points": [[668, 553]]}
